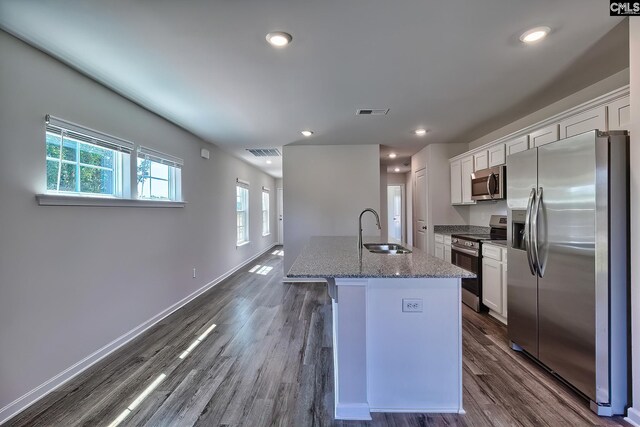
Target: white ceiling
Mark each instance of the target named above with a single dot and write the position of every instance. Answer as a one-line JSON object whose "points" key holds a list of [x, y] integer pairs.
{"points": [[205, 65]]}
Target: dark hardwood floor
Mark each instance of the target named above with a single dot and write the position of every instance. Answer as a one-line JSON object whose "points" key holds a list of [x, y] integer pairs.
{"points": [[268, 362]]}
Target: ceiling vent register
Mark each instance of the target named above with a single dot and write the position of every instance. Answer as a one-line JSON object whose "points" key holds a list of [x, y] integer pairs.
{"points": [[372, 112], [264, 152]]}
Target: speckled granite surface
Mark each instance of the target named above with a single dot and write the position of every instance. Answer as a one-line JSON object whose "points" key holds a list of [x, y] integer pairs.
{"points": [[460, 229], [338, 257]]}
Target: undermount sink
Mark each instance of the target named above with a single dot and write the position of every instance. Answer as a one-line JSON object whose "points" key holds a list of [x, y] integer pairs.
{"points": [[386, 248]]}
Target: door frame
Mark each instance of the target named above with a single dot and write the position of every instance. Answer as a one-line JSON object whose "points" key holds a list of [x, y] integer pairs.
{"points": [[280, 214], [403, 211]]}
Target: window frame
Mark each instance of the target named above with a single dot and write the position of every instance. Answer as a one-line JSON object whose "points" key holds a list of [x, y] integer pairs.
{"points": [[266, 222], [243, 186], [174, 176]]}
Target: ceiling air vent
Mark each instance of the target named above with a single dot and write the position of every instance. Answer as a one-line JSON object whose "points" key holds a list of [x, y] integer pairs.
{"points": [[372, 112], [264, 152]]}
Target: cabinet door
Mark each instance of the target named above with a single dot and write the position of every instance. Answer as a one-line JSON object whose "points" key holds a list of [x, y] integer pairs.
{"points": [[517, 145], [439, 251], [481, 160], [447, 253], [504, 289], [497, 155], [595, 118], [467, 170], [456, 182], [619, 114], [544, 136], [492, 284]]}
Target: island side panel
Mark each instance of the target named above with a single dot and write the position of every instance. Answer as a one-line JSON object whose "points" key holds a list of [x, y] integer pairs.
{"points": [[414, 359], [349, 349]]}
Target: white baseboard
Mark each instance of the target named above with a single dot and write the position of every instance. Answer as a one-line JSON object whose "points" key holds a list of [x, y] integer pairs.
{"points": [[352, 411], [633, 417], [421, 410], [303, 280], [29, 398]]}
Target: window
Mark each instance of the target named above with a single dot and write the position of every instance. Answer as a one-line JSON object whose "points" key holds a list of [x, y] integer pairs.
{"points": [[265, 211], [159, 175], [83, 161], [242, 212]]}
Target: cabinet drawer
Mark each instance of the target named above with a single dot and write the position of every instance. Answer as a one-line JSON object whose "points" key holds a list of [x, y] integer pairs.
{"points": [[447, 239], [439, 238], [492, 252], [504, 255]]}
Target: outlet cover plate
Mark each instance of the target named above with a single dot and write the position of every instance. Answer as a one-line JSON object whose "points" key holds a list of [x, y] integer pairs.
{"points": [[412, 305]]}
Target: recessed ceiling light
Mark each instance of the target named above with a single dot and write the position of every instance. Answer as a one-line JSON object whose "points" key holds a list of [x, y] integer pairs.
{"points": [[535, 34], [268, 162], [279, 38], [420, 132], [393, 155], [307, 133], [396, 170]]}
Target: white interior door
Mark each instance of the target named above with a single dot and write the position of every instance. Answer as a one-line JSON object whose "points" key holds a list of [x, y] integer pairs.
{"points": [[420, 210], [280, 217], [394, 213]]}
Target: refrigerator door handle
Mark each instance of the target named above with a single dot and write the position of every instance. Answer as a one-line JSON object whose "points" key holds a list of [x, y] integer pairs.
{"points": [[534, 228], [527, 231]]}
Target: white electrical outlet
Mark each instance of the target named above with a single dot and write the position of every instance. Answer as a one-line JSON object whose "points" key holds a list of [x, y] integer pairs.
{"points": [[194, 272], [412, 305]]}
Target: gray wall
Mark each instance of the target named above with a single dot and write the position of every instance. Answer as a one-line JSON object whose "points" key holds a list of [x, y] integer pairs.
{"points": [[73, 279], [634, 39], [325, 189]]}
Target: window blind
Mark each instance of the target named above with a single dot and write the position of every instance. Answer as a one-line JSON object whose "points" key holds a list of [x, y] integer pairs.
{"points": [[158, 157], [242, 183], [73, 131]]}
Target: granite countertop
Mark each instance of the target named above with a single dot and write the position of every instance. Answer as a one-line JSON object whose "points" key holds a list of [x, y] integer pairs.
{"points": [[334, 257], [448, 230]]}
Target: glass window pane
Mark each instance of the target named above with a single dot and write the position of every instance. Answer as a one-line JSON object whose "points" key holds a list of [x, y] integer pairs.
{"points": [[93, 180], [52, 175], [144, 167], [68, 177], [144, 188], [92, 155], [53, 145], [69, 150], [159, 189], [158, 170]]}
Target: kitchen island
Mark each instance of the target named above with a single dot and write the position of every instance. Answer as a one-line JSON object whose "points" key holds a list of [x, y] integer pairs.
{"points": [[397, 327]]}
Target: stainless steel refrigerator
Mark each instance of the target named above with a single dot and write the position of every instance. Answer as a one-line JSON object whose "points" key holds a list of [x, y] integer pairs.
{"points": [[567, 281]]}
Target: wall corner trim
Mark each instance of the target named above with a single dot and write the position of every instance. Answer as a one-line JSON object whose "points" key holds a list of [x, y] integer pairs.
{"points": [[32, 396], [633, 417]]}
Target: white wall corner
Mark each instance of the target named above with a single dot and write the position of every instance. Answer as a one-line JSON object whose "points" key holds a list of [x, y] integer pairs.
{"points": [[353, 411]]}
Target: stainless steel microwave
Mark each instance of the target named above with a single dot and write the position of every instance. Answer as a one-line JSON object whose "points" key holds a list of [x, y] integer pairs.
{"points": [[489, 184]]}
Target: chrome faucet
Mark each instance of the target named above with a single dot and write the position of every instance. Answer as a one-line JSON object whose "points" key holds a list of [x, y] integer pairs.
{"points": [[360, 245]]}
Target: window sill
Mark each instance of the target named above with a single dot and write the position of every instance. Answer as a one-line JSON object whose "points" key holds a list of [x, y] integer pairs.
{"points": [[242, 244], [265, 235], [69, 200]]}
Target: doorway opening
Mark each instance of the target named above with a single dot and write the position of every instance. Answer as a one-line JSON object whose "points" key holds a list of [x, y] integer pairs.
{"points": [[396, 213]]}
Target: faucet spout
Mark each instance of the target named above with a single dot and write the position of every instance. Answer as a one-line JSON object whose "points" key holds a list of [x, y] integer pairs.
{"points": [[360, 244]]}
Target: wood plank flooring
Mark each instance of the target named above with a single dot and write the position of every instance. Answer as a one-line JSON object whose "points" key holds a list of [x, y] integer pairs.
{"points": [[268, 362]]}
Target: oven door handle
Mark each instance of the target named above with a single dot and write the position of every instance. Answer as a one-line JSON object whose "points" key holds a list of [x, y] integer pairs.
{"points": [[464, 250]]}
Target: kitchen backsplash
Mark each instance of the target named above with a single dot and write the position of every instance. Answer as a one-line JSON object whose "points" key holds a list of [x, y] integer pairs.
{"points": [[480, 214]]}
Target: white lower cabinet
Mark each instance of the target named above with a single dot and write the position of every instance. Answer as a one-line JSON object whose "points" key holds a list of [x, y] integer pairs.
{"points": [[447, 253], [439, 253], [494, 281], [443, 247]]}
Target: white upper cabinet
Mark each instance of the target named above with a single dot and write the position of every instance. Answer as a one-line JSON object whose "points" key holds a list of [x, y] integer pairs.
{"points": [[619, 114], [481, 160], [497, 155], [545, 135], [595, 118], [517, 145], [456, 182], [467, 170]]}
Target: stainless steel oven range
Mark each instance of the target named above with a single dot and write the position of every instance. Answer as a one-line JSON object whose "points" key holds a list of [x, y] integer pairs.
{"points": [[466, 252]]}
